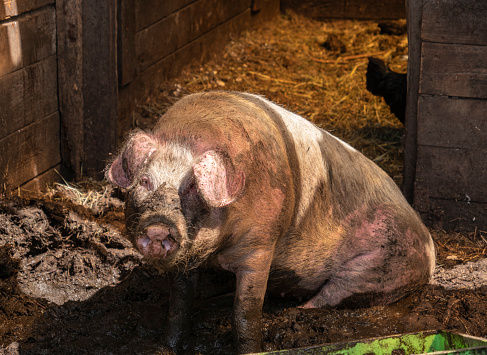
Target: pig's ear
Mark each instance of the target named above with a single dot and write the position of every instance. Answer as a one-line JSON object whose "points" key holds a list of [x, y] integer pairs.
{"points": [[132, 158], [217, 179]]}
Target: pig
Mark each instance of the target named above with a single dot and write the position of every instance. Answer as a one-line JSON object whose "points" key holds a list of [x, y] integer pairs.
{"points": [[231, 180]]}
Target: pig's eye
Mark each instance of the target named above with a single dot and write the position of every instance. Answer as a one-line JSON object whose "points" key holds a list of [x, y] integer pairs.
{"points": [[146, 183]]}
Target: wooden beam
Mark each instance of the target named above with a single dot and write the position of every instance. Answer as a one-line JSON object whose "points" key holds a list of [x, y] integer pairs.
{"points": [[70, 81], [126, 41], [100, 84], [414, 10], [87, 83]]}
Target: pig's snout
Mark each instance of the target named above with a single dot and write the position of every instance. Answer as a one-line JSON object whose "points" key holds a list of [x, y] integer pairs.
{"points": [[156, 241]]}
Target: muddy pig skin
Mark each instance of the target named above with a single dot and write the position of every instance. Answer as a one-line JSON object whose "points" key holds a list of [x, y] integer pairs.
{"points": [[233, 181]]}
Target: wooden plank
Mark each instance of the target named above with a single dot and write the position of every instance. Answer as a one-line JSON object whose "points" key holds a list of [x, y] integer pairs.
{"points": [[414, 15], [453, 21], [450, 122], [148, 12], [87, 83], [356, 9], [31, 151], [196, 51], [180, 28], [27, 40], [70, 79], [12, 114], [319, 10], [264, 11], [12, 8], [43, 181], [127, 102], [126, 42], [372, 9], [452, 215], [28, 95], [99, 84], [449, 173], [453, 70]]}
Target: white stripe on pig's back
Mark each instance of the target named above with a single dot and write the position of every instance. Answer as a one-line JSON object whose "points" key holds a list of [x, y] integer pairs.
{"points": [[307, 139]]}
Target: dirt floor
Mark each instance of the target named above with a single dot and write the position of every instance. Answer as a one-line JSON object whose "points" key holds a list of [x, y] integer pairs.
{"points": [[70, 283]]}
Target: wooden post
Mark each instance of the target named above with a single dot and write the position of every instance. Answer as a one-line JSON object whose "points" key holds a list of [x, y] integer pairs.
{"points": [[87, 72], [414, 9]]}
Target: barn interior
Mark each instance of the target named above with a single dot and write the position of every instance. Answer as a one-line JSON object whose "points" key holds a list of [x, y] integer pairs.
{"points": [[69, 280]]}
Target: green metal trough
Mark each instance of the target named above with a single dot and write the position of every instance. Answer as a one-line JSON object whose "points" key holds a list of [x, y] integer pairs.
{"points": [[428, 342]]}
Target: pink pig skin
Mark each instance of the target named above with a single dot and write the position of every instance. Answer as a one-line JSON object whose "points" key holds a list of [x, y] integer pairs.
{"points": [[233, 181]]}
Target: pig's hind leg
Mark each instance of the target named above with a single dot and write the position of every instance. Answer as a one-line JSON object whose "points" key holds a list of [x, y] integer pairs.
{"points": [[363, 281]]}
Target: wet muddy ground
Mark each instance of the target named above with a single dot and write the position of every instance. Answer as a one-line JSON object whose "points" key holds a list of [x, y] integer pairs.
{"points": [[71, 284]]}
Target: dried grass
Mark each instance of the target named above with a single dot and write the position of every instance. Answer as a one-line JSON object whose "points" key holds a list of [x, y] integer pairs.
{"points": [[459, 248]]}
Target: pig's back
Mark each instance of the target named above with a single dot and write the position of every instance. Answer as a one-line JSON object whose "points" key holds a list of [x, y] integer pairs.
{"points": [[285, 144], [331, 168]]}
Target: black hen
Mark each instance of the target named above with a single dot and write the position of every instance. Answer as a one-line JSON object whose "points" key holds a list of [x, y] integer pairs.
{"points": [[392, 86]]}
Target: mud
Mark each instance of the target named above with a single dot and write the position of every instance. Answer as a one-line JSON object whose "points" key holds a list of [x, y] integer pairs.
{"points": [[70, 283]]}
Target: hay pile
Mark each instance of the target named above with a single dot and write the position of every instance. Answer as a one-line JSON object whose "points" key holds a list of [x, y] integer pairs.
{"points": [[316, 69]]}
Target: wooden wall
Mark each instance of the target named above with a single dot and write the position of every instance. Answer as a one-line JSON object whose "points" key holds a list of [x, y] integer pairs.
{"points": [[158, 39], [351, 9], [73, 71], [29, 117], [446, 131]]}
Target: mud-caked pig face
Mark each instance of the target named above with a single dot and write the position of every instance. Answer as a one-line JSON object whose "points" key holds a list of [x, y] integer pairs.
{"points": [[170, 194]]}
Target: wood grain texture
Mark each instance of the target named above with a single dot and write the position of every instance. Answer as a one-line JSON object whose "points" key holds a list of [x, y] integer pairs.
{"points": [[316, 9], [461, 216], [27, 40], [12, 8], [453, 21], [196, 51], [126, 41], [32, 150], [369, 9], [28, 95], [148, 12], [70, 81], [452, 173], [453, 70], [414, 15], [87, 83], [452, 122], [43, 181], [99, 84], [353, 9], [266, 11], [180, 28]]}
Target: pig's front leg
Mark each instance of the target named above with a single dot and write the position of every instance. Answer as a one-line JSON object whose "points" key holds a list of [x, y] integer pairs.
{"points": [[249, 298], [181, 298]]}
